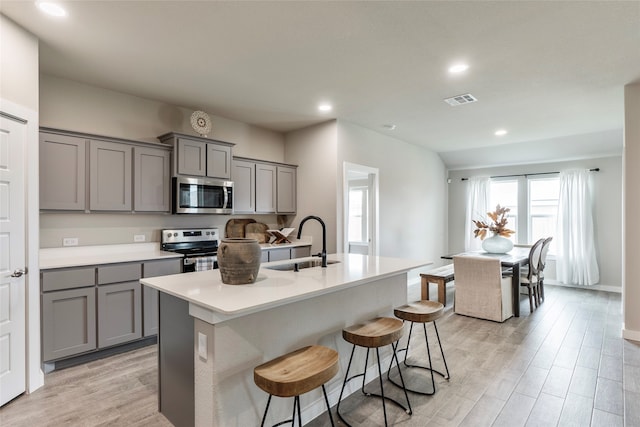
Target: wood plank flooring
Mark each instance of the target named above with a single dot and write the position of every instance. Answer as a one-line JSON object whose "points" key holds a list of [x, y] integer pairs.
{"points": [[564, 365]]}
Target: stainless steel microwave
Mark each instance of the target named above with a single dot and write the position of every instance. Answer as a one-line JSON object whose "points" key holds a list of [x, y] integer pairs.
{"points": [[192, 195]]}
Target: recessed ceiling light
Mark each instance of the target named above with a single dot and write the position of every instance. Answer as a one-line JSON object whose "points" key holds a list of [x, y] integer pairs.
{"points": [[389, 126], [500, 132], [51, 8], [325, 107], [458, 68]]}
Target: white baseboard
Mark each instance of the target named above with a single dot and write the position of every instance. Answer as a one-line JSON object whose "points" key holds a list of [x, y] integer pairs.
{"points": [[628, 334], [605, 288]]}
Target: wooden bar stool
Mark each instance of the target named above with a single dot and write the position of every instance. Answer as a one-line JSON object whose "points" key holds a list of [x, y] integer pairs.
{"points": [[421, 312], [374, 333], [296, 373]]}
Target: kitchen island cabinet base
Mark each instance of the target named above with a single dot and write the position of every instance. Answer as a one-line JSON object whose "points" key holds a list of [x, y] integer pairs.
{"points": [[224, 354]]}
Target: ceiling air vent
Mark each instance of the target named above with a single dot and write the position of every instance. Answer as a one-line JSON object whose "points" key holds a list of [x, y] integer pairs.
{"points": [[460, 99]]}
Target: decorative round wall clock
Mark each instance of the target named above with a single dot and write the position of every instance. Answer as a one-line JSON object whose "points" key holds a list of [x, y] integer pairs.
{"points": [[201, 123]]}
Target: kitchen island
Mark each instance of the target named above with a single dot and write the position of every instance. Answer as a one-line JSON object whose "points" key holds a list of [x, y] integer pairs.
{"points": [[235, 328]]}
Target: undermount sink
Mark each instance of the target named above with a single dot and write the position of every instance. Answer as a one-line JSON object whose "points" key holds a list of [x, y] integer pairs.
{"points": [[294, 266]]}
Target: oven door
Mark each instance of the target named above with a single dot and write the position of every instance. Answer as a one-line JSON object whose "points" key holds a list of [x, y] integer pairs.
{"points": [[199, 263], [202, 196]]}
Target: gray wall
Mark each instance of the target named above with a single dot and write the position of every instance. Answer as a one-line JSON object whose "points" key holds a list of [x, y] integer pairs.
{"points": [[412, 191], [607, 198], [70, 105], [18, 65]]}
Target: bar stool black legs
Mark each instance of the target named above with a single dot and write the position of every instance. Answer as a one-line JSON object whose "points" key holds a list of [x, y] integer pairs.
{"points": [[421, 312], [374, 334]]}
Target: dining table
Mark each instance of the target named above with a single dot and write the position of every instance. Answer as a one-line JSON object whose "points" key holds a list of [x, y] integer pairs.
{"points": [[514, 259]]}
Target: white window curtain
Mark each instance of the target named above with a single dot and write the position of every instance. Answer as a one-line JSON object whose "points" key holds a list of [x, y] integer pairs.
{"points": [[576, 256], [477, 208]]}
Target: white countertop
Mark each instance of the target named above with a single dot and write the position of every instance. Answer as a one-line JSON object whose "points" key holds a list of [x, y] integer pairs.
{"points": [[104, 254], [292, 244], [274, 288]]}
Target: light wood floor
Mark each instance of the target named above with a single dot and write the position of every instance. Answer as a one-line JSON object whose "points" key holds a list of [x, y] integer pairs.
{"points": [[566, 365]]}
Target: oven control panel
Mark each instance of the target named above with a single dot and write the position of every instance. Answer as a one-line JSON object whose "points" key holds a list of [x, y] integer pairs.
{"points": [[190, 235]]}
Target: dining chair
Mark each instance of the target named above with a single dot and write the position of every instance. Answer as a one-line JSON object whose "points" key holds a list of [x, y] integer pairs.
{"points": [[541, 265], [481, 291], [530, 278]]}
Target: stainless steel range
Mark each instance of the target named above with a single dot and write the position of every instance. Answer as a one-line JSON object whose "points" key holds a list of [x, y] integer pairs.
{"points": [[198, 245]]}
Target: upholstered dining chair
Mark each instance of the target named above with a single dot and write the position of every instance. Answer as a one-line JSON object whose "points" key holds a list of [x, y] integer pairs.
{"points": [[481, 291], [529, 278], [541, 265]]}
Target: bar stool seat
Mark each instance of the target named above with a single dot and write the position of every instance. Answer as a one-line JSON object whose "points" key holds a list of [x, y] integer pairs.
{"points": [[297, 373], [421, 312], [374, 333]]}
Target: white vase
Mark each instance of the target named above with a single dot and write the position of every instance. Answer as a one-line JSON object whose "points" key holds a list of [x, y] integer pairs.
{"points": [[497, 244]]}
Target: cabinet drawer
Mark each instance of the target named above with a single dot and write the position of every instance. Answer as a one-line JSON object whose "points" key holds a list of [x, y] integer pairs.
{"points": [[119, 273], [300, 252], [279, 254], [162, 268], [56, 280]]}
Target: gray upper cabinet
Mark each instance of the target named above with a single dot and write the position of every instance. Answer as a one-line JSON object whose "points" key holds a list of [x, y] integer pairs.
{"points": [[152, 179], [109, 176], [93, 173], [265, 188], [199, 156], [62, 172], [218, 161], [244, 186], [192, 157], [286, 193]]}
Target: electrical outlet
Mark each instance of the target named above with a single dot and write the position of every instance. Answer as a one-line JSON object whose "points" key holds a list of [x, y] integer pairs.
{"points": [[70, 241], [139, 238], [202, 346]]}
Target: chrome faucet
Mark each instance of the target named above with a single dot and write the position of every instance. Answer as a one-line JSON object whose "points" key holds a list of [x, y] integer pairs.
{"points": [[322, 254]]}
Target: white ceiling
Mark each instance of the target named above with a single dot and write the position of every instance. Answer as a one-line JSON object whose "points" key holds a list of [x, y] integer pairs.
{"points": [[552, 73]]}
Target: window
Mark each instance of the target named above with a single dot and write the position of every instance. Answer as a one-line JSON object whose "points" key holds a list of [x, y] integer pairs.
{"points": [[536, 215], [505, 194], [358, 203], [543, 208]]}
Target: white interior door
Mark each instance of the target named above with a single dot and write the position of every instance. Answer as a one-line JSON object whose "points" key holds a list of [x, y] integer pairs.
{"points": [[12, 258], [361, 209]]}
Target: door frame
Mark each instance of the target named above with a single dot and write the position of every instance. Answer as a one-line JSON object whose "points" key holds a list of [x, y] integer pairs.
{"points": [[34, 373], [373, 179]]}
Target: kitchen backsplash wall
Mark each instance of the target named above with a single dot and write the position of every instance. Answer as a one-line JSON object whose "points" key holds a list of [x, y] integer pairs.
{"points": [[107, 229]]}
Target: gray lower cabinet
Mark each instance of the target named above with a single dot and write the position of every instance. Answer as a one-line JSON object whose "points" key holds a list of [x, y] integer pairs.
{"points": [[85, 309], [119, 313], [152, 180], [150, 295], [68, 323], [279, 254], [62, 172]]}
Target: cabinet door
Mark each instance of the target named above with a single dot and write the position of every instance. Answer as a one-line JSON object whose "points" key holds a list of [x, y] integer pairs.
{"points": [[150, 295], [218, 161], [192, 157], [68, 323], [279, 254], [62, 172], [300, 252], [109, 176], [151, 180], [286, 190], [265, 188], [119, 313], [244, 186]]}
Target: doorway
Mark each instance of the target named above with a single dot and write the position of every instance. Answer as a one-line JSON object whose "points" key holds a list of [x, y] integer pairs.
{"points": [[360, 209]]}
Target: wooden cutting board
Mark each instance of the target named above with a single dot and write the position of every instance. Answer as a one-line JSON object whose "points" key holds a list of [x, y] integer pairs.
{"points": [[258, 231], [235, 227]]}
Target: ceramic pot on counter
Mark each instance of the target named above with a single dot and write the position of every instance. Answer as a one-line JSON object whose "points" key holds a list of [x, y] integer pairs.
{"points": [[239, 260]]}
